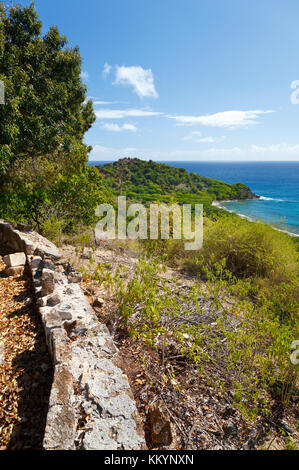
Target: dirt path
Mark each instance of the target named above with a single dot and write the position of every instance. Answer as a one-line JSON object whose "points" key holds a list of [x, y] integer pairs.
{"points": [[25, 366]]}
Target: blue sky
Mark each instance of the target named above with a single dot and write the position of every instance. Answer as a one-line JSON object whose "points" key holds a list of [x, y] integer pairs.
{"points": [[187, 79]]}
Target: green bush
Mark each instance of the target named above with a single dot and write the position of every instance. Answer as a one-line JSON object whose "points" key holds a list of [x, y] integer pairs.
{"points": [[53, 229], [54, 191], [250, 249]]}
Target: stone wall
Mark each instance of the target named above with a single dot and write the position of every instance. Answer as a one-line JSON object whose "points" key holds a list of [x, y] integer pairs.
{"points": [[91, 404]]}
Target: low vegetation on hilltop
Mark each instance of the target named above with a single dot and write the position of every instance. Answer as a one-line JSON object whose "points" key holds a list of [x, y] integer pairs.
{"points": [[147, 181]]}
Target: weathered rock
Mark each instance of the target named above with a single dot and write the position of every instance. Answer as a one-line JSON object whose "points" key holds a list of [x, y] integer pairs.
{"points": [[15, 271], [16, 259], [60, 433], [160, 425], [62, 388], [51, 318], [61, 347], [65, 312], [30, 248], [53, 300], [48, 264], [36, 262], [41, 246], [41, 301], [24, 228], [48, 283]]}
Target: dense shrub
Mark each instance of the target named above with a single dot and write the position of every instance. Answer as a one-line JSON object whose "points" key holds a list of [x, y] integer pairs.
{"points": [[250, 249]]}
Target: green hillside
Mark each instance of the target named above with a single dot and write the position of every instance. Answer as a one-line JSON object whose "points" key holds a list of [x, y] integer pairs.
{"points": [[148, 181]]}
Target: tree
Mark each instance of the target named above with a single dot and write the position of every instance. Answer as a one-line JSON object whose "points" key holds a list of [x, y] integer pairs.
{"points": [[45, 111], [44, 175]]}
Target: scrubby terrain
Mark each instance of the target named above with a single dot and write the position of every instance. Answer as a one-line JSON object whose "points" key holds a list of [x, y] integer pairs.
{"points": [[189, 349]]}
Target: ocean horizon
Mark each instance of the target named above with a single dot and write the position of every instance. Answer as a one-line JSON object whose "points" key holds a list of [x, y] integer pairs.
{"points": [[277, 184]]}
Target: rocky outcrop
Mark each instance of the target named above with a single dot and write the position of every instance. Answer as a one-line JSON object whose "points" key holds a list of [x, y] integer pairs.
{"points": [[91, 404]]}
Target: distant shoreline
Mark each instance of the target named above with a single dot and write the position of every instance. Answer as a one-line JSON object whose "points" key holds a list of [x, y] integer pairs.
{"points": [[250, 219]]}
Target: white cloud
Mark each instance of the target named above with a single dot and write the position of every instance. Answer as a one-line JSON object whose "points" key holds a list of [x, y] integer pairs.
{"points": [[106, 70], [193, 135], [140, 79], [282, 148], [277, 152], [196, 136], [116, 128], [129, 127], [226, 119], [101, 103], [123, 113], [101, 153], [84, 75], [207, 140]]}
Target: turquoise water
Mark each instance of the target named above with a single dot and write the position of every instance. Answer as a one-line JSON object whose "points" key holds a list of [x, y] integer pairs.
{"points": [[276, 182]]}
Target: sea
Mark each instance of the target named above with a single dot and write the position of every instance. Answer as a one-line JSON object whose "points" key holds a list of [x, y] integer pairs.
{"points": [[277, 184]]}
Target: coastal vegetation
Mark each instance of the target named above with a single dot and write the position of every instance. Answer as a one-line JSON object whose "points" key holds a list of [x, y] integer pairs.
{"points": [[151, 181]]}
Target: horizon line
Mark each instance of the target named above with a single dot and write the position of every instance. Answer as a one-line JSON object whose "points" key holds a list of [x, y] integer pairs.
{"points": [[198, 161]]}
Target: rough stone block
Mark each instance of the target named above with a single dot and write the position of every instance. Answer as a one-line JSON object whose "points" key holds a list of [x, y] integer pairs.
{"points": [[62, 388], [30, 248], [48, 283], [16, 259], [15, 271], [82, 352], [65, 312], [61, 347], [60, 430], [53, 300], [35, 262], [48, 264], [51, 321]]}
